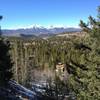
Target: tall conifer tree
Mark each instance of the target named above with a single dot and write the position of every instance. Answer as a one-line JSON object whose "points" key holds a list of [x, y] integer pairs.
{"points": [[5, 61]]}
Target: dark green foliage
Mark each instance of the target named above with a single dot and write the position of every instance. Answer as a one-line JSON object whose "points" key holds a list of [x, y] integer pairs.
{"points": [[1, 17], [83, 67], [5, 63]]}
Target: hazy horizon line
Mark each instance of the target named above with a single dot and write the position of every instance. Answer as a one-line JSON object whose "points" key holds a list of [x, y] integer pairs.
{"points": [[40, 26]]}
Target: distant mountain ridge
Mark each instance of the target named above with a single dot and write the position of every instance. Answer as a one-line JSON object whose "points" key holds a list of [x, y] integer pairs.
{"points": [[37, 31]]}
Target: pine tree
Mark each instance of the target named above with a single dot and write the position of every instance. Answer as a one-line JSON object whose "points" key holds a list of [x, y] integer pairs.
{"points": [[5, 62], [84, 65]]}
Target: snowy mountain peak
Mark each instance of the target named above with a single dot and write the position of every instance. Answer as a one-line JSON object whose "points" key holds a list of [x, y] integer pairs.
{"points": [[38, 30]]}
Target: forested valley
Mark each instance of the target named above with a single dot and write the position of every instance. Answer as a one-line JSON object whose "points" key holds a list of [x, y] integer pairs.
{"points": [[69, 66]]}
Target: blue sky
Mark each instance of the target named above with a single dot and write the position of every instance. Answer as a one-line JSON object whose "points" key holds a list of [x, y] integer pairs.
{"points": [[26, 13]]}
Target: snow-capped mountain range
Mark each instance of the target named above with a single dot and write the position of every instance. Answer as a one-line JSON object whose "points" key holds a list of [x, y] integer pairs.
{"points": [[38, 30]]}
